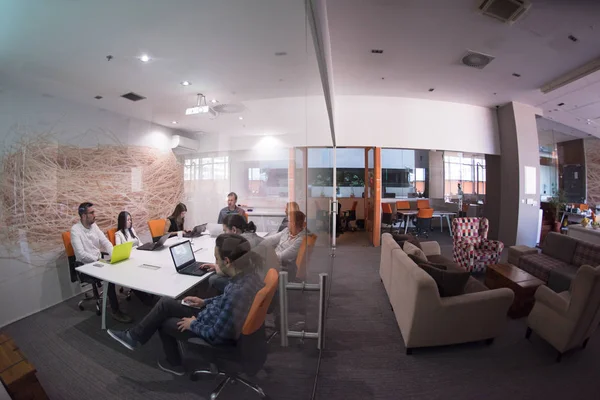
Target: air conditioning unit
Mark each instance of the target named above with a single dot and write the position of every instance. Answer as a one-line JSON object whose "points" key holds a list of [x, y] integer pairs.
{"points": [[184, 145], [507, 11]]}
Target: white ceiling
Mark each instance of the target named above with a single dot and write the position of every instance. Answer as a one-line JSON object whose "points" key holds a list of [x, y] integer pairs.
{"points": [[424, 40], [226, 48]]}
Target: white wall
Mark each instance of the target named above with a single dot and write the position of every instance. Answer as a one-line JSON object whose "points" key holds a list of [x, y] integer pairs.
{"points": [[31, 281], [415, 124]]}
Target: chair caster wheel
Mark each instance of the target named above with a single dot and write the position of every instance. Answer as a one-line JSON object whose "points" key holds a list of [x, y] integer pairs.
{"points": [[121, 289], [81, 307]]}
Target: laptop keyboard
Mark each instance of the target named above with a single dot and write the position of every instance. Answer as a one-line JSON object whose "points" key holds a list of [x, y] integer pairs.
{"points": [[195, 269]]}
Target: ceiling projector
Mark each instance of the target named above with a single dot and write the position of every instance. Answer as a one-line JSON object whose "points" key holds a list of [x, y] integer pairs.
{"points": [[200, 108]]}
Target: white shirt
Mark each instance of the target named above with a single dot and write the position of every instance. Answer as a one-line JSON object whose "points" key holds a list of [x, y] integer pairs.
{"points": [[120, 238], [88, 243]]}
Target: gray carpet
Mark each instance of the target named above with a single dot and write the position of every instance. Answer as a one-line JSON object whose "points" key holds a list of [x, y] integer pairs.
{"points": [[365, 356]]}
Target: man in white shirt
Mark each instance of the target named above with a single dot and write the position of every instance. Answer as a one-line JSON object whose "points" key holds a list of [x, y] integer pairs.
{"points": [[287, 243], [88, 242]]}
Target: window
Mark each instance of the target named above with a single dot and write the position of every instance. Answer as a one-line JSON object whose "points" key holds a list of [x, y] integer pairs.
{"points": [[206, 168], [468, 170]]}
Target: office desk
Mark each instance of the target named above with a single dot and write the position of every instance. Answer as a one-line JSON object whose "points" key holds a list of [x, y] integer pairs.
{"points": [[436, 214], [151, 271]]}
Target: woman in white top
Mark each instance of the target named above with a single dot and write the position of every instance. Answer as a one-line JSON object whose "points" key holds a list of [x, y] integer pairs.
{"points": [[125, 232]]}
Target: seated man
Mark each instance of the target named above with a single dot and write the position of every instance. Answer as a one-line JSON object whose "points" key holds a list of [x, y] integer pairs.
{"points": [[219, 320], [88, 241], [231, 208], [287, 243]]}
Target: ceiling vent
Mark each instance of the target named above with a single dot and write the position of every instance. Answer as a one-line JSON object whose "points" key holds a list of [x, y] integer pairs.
{"points": [[507, 11], [133, 96], [476, 60]]}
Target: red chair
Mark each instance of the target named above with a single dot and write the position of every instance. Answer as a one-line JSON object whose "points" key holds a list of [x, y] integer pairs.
{"points": [[472, 249]]}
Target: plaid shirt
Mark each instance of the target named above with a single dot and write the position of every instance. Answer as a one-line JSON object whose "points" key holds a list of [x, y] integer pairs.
{"points": [[222, 318]]}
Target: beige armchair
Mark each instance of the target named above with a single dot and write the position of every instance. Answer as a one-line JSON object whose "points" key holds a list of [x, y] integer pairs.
{"points": [[566, 320]]}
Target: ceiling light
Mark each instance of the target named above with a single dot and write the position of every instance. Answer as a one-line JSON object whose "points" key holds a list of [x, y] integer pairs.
{"points": [[572, 38], [213, 101], [174, 122], [241, 118], [561, 104], [376, 51], [281, 53], [186, 83], [98, 97], [431, 89], [516, 75], [144, 58]]}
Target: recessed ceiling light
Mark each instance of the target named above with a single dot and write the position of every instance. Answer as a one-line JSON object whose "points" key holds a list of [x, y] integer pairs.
{"points": [[241, 118], [431, 89], [561, 104], [213, 101], [281, 53], [144, 58], [572, 38], [98, 97], [376, 51], [186, 83], [516, 75], [174, 122]]}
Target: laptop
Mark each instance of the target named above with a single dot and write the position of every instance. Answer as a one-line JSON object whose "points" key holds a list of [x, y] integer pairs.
{"points": [[214, 229], [121, 252], [156, 245], [197, 231], [184, 260]]}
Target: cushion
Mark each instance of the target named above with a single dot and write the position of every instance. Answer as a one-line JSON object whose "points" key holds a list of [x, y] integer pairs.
{"points": [[561, 247], [419, 261], [560, 279], [449, 283], [540, 265], [410, 248], [449, 264], [586, 254], [400, 239]]}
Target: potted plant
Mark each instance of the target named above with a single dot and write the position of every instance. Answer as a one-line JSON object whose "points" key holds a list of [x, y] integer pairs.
{"points": [[557, 203]]}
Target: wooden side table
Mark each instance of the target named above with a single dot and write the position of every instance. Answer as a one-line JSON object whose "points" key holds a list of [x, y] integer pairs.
{"points": [[17, 374], [522, 283]]}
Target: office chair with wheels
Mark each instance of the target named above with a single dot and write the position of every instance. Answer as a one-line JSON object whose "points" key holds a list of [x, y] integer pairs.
{"points": [[422, 204], [157, 228], [387, 216], [84, 280], [423, 225], [349, 216], [249, 354], [401, 207], [322, 215]]}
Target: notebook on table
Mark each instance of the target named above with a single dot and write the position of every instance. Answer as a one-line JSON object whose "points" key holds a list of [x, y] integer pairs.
{"points": [[156, 245], [121, 252], [184, 260]]}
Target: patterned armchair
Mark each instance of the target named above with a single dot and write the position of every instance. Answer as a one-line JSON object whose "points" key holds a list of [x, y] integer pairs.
{"points": [[472, 249]]}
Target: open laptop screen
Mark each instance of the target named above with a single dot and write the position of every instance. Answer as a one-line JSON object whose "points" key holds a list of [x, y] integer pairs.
{"points": [[182, 254]]}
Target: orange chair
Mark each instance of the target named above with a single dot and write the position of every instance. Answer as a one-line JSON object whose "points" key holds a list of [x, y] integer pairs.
{"points": [[111, 234], [84, 280], [422, 204], [387, 217], [308, 241], [423, 225], [157, 228], [349, 216], [401, 206], [249, 353]]}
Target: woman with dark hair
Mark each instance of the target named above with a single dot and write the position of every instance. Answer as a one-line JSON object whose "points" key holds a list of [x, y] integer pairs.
{"points": [[236, 224], [175, 221], [218, 320], [125, 232]]}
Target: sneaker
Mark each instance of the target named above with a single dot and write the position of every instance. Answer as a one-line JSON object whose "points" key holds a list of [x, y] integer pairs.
{"points": [[123, 337], [120, 316], [166, 366]]}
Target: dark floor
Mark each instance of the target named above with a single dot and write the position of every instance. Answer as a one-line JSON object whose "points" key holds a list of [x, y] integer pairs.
{"points": [[364, 356]]}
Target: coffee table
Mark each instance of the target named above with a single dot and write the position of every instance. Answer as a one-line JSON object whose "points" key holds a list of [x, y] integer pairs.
{"points": [[522, 283]]}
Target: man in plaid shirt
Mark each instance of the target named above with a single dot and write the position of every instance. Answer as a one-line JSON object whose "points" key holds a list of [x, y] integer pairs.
{"points": [[220, 319]]}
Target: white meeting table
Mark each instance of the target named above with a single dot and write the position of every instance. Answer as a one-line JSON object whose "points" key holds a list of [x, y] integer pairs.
{"points": [[436, 214], [151, 271]]}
